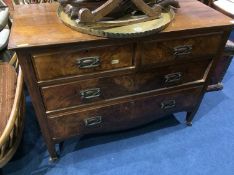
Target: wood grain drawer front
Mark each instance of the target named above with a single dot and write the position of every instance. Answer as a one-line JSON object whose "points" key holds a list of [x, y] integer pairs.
{"points": [[94, 90], [59, 65], [171, 50], [124, 115]]}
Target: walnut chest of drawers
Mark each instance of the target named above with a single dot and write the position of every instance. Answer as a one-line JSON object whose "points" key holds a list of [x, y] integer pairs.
{"points": [[81, 84]]}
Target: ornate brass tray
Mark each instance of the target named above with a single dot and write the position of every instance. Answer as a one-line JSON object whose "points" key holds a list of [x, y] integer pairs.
{"points": [[125, 26]]}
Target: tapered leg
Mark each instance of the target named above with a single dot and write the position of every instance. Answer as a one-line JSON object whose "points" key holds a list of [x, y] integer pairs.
{"points": [[189, 118], [54, 155], [61, 144], [52, 152]]}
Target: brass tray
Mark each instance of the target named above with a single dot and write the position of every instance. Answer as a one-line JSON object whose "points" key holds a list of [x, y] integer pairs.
{"points": [[145, 26]]}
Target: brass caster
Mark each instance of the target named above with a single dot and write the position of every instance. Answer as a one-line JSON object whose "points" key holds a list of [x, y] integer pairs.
{"points": [[53, 159], [189, 123]]}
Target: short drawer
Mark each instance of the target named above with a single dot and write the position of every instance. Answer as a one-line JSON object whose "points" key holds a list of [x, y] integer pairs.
{"points": [[99, 89], [80, 62], [172, 50], [123, 115]]}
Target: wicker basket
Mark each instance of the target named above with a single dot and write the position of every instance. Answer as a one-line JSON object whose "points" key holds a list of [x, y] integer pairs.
{"points": [[12, 133]]}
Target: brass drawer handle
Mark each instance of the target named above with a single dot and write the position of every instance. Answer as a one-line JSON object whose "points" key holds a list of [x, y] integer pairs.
{"points": [[88, 62], [90, 93], [168, 104], [182, 50], [172, 78], [92, 121]]}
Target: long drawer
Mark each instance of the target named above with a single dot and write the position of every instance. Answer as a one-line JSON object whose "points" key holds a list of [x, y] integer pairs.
{"points": [[123, 115], [94, 90], [80, 62], [155, 52]]}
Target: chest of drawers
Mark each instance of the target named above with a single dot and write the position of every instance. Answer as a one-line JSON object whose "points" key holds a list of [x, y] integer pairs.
{"points": [[82, 84]]}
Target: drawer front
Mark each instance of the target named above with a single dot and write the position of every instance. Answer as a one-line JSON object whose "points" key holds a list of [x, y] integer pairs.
{"points": [[124, 115], [63, 64], [94, 90], [172, 50]]}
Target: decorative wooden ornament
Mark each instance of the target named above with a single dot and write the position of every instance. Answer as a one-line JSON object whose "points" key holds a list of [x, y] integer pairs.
{"points": [[117, 18]]}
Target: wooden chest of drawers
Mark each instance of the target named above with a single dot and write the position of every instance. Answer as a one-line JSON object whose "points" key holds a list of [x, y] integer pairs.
{"points": [[82, 84]]}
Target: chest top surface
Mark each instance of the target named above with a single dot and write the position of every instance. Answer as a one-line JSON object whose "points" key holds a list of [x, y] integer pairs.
{"points": [[38, 25]]}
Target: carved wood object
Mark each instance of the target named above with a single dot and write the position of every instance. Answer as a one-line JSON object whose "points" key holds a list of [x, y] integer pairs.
{"points": [[88, 11], [117, 18]]}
